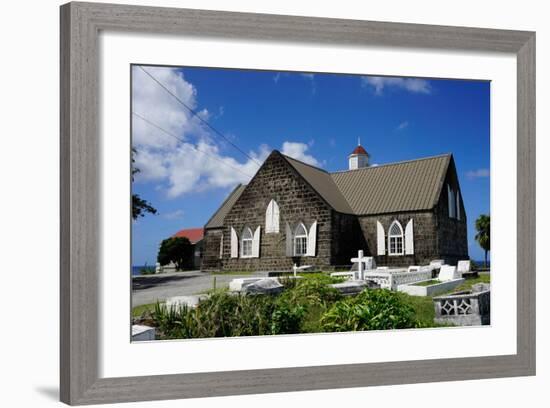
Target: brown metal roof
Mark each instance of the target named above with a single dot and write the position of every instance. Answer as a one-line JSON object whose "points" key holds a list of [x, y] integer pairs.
{"points": [[405, 186], [217, 219], [322, 182]]}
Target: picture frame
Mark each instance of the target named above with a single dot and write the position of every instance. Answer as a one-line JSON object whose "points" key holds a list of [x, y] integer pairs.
{"points": [[81, 24]]}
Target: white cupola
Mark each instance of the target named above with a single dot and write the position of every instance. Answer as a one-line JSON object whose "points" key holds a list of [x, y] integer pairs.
{"points": [[359, 158]]}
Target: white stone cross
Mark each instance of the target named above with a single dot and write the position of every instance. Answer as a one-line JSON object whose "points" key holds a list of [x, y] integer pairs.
{"points": [[367, 260]]}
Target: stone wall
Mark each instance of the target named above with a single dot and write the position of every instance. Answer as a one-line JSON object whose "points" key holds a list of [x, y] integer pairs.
{"points": [[425, 237], [347, 239], [297, 201], [452, 234], [211, 250]]}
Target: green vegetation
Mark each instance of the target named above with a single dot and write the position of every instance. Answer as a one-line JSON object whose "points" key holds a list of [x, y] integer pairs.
{"points": [[483, 236], [147, 270], [427, 283], [177, 250], [307, 305], [467, 285], [143, 310]]}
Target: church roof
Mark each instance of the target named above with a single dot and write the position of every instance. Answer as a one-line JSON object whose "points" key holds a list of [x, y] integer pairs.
{"points": [[404, 186], [412, 185], [216, 220]]}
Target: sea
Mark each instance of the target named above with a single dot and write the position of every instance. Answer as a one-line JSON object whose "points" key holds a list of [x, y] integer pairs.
{"points": [[136, 269]]}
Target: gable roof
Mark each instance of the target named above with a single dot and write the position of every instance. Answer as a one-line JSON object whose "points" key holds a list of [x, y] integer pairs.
{"points": [[194, 235], [404, 186], [322, 182], [412, 185], [216, 220]]}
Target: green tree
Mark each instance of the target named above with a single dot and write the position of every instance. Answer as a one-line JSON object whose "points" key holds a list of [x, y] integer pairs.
{"points": [[139, 206], [178, 250], [483, 236]]}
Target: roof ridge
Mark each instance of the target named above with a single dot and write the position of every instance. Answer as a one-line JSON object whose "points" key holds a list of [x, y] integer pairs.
{"points": [[224, 202], [304, 163], [392, 164]]}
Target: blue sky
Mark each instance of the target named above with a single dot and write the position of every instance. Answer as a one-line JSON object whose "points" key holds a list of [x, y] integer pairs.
{"points": [[187, 169]]}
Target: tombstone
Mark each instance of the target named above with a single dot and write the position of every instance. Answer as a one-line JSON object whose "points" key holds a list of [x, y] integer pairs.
{"points": [[363, 263], [448, 272], [191, 301], [142, 333], [437, 263], [265, 286], [464, 266], [413, 268]]}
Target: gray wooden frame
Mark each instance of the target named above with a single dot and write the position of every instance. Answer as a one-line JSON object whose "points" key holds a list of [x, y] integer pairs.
{"points": [[80, 234]]}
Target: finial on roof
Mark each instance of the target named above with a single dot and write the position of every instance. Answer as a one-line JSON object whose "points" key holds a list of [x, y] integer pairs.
{"points": [[359, 141]]}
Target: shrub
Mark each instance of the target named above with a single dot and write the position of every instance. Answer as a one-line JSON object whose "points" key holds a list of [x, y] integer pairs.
{"points": [[287, 318], [312, 291], [378, 309]]}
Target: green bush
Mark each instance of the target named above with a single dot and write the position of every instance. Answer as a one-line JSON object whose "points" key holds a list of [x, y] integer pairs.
{"points": [[378, 309]]}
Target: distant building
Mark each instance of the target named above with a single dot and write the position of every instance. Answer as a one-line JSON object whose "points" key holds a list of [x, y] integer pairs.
{"points": [[403, 213], [195, 236]]}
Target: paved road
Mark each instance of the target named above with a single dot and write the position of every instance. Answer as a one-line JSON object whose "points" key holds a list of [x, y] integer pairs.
{"points": [[150, 288]]}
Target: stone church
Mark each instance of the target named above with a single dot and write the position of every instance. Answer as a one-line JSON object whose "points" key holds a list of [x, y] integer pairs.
{"points": [[405, 213]]}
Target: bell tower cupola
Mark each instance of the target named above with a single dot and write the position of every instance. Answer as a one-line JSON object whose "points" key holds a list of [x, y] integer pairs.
{"points": [[359, 158]]}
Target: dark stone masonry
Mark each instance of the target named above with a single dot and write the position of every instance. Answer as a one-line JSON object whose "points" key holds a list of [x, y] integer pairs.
{"points": [[338, 235]]}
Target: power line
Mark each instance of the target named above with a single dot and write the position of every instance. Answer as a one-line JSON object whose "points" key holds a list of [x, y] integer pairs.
{"points": [[188, 144], [196, 114]]}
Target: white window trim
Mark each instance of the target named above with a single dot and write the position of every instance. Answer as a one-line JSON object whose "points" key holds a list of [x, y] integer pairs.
{"points": [[390, 236], [295, 236], [251, 239]]}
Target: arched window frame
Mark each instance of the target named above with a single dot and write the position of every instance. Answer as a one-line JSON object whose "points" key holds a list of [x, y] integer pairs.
{"points": [[300, 240], [246, 243], [396, 242]]}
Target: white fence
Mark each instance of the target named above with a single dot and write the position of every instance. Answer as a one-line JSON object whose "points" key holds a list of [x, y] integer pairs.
{"points": [[390, 279]]}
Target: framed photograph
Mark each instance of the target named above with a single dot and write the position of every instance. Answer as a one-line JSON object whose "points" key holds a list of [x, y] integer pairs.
{"points": [[261, 203]]}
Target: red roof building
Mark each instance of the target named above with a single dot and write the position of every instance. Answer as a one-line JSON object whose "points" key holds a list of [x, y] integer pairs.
{"points": [[359, 150], [192, 234]]}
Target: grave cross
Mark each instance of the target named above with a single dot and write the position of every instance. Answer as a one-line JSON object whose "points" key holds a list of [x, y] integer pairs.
{"points": [[362, 260]]}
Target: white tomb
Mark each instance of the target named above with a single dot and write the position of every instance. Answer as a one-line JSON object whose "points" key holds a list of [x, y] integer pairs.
{"points": [[142, 333], [448, 272], [464, 266]]}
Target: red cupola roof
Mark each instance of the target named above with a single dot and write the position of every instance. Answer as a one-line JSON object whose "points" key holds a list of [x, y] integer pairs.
{"points": [[359, 150]]}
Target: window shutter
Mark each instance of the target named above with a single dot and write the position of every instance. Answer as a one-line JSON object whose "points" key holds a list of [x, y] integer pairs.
{"points": [[312, 239], [409, 238], [450, 200], [381, 238], [275, 218], [234, 243], [457, 204], [256, 243], [221, 246], [288, 240], [269, 217]]}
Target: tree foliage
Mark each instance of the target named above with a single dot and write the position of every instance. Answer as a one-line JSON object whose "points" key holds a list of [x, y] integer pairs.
{"points": [[178, 250], [139, 206], [483, 235]]}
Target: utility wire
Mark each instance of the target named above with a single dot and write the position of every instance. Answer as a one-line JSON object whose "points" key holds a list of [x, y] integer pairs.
{"points": [[188, 144], [196, 114]]}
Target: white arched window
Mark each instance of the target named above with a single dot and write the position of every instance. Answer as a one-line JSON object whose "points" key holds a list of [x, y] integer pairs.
{"points": [[300, 240], [246, 243], [395, 239], [272, 217]]}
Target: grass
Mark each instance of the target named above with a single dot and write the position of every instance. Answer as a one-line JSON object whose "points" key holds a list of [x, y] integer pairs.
{"points": [[467, 285], [139, 310], [427, 283]]}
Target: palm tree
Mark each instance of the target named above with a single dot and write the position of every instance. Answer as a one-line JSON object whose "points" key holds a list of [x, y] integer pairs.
{"points": [[483, 236]]}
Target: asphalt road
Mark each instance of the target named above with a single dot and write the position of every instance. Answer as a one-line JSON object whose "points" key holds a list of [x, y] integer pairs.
{"points": [[151, 288]]}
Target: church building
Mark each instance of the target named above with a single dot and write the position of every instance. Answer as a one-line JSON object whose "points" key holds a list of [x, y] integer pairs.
{"points": [[404, 213]]}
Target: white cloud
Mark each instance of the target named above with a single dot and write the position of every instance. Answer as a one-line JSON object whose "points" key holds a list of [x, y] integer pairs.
{"points": [[479, 173], [298, 151], [414, 85], [403, 125], [174, 215], [193, 161]]}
